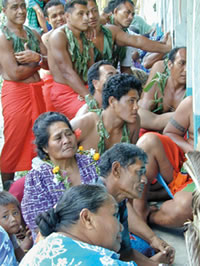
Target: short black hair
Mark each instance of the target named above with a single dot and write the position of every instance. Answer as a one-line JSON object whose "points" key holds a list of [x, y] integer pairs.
{"points": [[118, 86], [112, 4], [40, 130], [71, 3], [173, 53], [50, 4], [124, 153], [7, 198], [68, 208], [93, 74]]}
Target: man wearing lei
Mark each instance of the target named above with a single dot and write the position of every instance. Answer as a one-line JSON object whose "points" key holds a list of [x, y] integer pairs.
{"points": [[22, 53], [106, 36], [118, 122], [70, 55]]}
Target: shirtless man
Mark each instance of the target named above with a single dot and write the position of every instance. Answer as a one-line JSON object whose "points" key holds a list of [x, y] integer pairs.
{"points": [[175, 88], [108, 35], [98, 73], [70, 55], [55, 15], [22, 53], [118, 121], [165, 156]]}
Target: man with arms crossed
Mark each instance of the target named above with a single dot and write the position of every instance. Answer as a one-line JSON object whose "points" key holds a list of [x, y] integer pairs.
{"points": [[22, 101]]}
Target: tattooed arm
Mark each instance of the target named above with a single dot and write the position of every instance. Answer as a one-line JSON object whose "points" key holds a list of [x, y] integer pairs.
{"points": [[179, 124]]}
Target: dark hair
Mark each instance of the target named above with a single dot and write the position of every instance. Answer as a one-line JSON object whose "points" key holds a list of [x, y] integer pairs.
{"points": [[7, 198], [93, 73], [40, 130], [124, 153], [173, 52], [50, 4], [118, 86], [112, 4], [71, 3], [68, 208]]}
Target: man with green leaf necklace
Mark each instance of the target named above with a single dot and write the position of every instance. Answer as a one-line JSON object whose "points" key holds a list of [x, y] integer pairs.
{"points": [[165, 91], [70, 55], [106, 36], [118, 122]]}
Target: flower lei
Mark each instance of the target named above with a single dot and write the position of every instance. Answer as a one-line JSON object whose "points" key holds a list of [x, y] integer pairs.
{"points": [[63, 178]]}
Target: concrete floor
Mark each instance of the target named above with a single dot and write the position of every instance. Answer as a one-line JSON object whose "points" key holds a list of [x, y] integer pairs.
{"points": [[175, 238]]}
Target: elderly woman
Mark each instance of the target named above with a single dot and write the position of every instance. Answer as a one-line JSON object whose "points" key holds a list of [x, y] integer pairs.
{"points": [[82, 229], [59, 167]]}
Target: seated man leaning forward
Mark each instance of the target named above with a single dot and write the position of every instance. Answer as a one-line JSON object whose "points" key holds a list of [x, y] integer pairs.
{"points": [[69, 56], [119, 121], [59, 167], [122, 170], [22, 53], [166, 156], [82, 229]]}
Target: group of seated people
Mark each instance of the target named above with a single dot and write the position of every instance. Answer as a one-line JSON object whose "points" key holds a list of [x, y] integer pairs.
{"points": [[85, 197]]}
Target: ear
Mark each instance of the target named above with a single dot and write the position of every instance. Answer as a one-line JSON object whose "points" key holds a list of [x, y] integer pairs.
{"points": [[116, 169], [86, 219], [95, 83], [115, 11], [170, 64], [111, 101], [45, 150], [67, 15], [4, 10]]}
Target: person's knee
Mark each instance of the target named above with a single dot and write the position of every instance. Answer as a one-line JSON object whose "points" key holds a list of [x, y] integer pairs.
{"points": [[148, 142], [183, 206]]}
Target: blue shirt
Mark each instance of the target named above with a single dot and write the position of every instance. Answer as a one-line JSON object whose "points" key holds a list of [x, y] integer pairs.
{"points": [[7, 255], [58, 249]]}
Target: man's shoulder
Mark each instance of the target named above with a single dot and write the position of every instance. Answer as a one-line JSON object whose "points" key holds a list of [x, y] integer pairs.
{"points": [[58, 33]]}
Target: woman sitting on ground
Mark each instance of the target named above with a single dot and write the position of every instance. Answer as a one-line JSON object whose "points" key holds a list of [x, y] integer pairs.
{"points": [[59, 166], [82, 229]]}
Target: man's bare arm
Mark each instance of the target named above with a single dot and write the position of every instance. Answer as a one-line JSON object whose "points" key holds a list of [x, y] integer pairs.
{"points": [[40, 17], [124, 39], [152, 121], [58, 49], [180, 123], [85, 123], [28, 56], [11, 70]]}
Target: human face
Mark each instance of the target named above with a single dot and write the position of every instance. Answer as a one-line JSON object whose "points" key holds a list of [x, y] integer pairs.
{"points": [[107, 227], [131, 181], [127, 107], [105, 71], [93, 14], [62, 142], [178, 68], [15, 11], [123, 15], [10, 218], [56, 16], [78, 18]]}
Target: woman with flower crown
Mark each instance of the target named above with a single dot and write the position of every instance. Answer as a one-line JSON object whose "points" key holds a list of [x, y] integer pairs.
{"points": [[59, 166]]}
